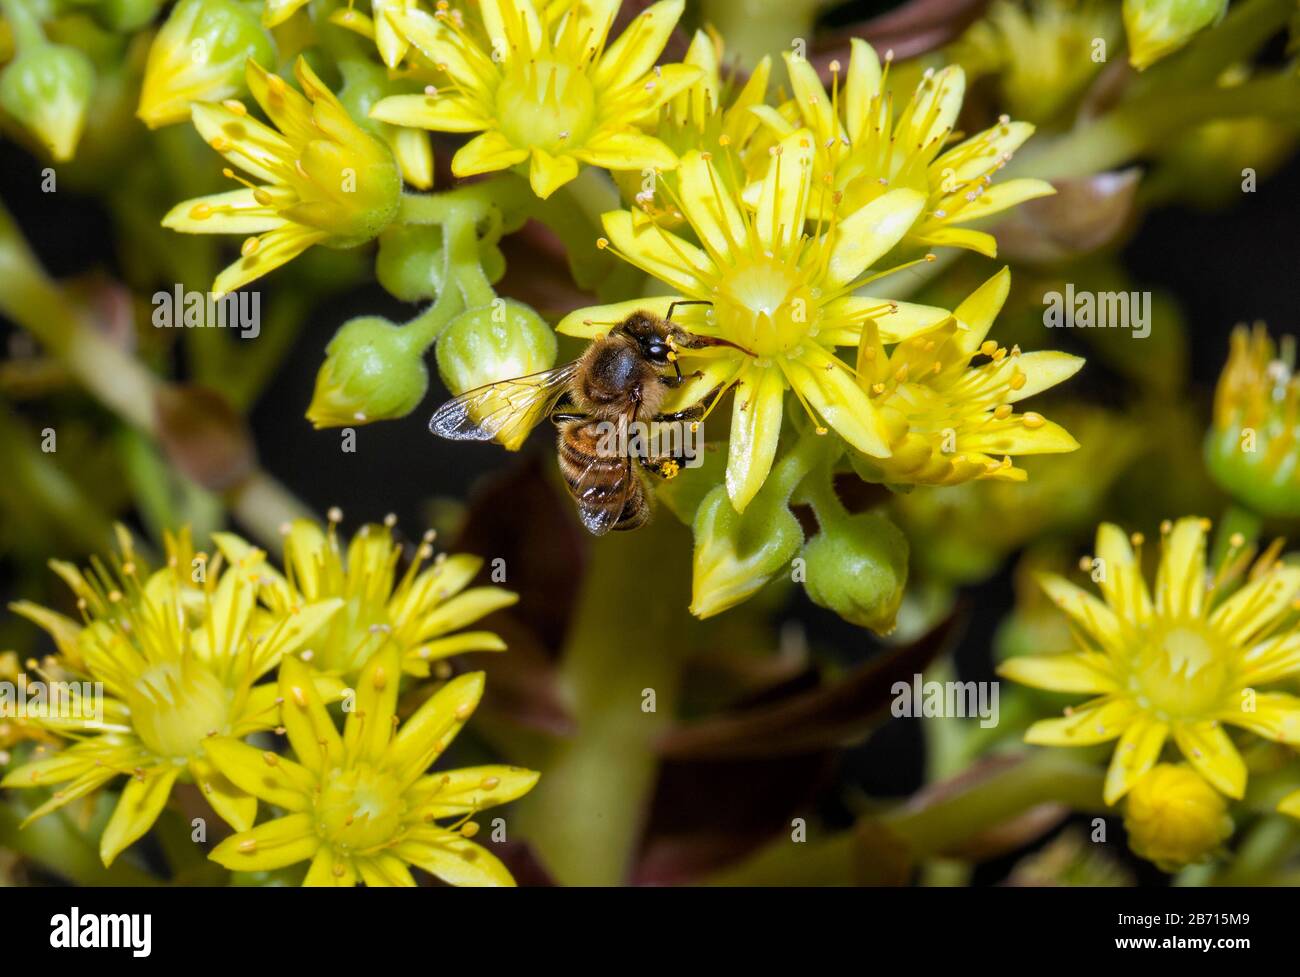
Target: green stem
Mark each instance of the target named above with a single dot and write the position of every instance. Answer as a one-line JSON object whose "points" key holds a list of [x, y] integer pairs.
{"points": [[1261, 852], [586, 814], [1142, 125], [24, 23], [933, 828]]}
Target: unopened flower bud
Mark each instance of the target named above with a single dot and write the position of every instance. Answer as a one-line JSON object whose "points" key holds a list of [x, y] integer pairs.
{"points": [[857, 567], [200, 55], [1173, 817], [373, 371], [47, 88], [737, 553], [1157, 28], [1253, 450], [494, 342]]}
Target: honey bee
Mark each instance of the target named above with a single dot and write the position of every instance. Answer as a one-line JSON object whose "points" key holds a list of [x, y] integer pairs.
{"points": [[616, 381]]}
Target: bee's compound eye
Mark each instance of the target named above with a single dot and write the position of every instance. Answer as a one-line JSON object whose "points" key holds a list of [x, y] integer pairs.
{"points": [[658, 352]]}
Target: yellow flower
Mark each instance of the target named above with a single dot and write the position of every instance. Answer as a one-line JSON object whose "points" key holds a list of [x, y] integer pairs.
{"points": [[863, 152], [1181, 664], [415, 613], [1173, 817], [178, 665], [1253, 450], [325, 180], [705, 116], [362, 804], [783, 294], [540, 85], [948, 421]]}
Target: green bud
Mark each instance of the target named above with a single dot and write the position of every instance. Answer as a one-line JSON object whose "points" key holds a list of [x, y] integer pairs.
{"points": [[857, 567], [373, 371], [1253, 449], [494, 342], [410, 263], [1157, 28], [737, 553], [200, 55], [47, 88]]}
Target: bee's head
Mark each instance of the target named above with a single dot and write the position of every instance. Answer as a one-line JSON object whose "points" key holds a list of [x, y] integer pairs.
{"points": [[652, 336]]}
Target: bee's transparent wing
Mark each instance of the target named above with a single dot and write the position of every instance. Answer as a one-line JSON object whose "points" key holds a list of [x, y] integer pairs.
{"points": [[504, 411]]}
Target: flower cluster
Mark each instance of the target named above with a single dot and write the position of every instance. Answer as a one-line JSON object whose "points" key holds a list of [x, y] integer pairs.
{"points": [[187, 657]]}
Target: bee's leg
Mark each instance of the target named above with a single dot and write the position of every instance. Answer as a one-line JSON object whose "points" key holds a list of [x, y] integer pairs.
{"points": [[689, 414], [680, 378], [560, 417], [664, 468]]}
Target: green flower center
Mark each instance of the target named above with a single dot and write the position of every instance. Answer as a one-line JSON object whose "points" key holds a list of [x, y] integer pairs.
{"points": [[1181, 671], [174, 708], [765, 306], [547, 104], [354, 633], [360, 808]]}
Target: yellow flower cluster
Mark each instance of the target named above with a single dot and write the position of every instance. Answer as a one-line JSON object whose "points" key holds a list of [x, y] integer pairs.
{"points": [[188, 656]]}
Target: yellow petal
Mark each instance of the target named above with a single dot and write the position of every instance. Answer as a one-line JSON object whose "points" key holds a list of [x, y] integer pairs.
{"points": [[709, 206], [1095, 616], [979, 310], [783, 194], [253, 147], [275, 248], [811, 99], [1180, 580], [1093, 722], [755, 430], [1043, 369], [983, 152], [660, 253], [638, 47], [548, 173], [264, 775], [831, 390], [626, 150], [516, 22], [486, 153], [424, 736], [1122, 583], [861, 85], [934, 234], [233, 212], [1085, 672], [452, 858], [369, 725], [466, 608], [383, 870], [441, 113], [329, 869], [1002, 196], [235, 806], [138, 808], [932, 112], [1208, 749], [275, 844], [1136, 752], [597, 320], [454, 793], [1272, 715], [316, 743], [868, 233], [1257, 606], [276, 12], [896, 321], [1290, 804]]}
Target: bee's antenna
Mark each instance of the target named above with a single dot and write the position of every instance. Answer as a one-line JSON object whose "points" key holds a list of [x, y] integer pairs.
{"points": [[696, 342]]}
